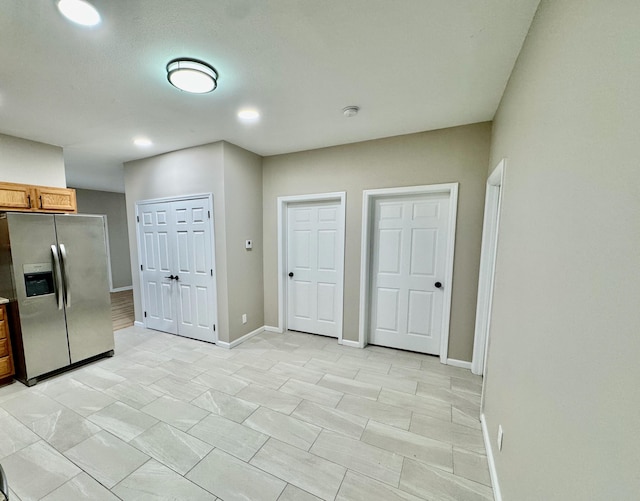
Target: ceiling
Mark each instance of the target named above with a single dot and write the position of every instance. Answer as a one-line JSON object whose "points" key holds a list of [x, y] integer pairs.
{"points": [[411, 65]]}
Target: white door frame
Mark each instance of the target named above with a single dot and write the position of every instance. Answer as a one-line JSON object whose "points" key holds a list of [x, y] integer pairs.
{"points": [[214, 281], [488, 252], [368, 202], [283, 203]]}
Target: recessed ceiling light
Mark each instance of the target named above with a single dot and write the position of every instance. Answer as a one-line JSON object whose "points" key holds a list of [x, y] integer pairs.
{"points": [[350, 111], [142, 141], [79, 11], [248, 114], [192, 75]]}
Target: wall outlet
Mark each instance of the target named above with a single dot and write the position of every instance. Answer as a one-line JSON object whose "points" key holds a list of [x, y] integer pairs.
{"points": [[500, 436], [244, 318]]}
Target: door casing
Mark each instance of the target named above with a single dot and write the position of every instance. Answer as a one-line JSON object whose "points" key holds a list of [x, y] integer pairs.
{"points": [[214, 282], [369, 197], [282, 204]]}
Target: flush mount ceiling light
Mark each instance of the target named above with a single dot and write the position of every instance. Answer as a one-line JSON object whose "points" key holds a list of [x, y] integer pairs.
{"points": [[192, 75], [79, 11], [350, 111]]}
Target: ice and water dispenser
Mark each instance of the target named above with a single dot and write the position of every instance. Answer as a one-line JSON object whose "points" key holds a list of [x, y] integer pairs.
{"points": [[38, 279]]}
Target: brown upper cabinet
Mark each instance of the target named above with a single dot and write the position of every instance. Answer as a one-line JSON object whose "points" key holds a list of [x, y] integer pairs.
{"points": [[29, 198]]}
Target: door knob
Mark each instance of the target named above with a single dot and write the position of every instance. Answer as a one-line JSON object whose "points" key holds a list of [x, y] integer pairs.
{"points": [[438, 285], [176, 278], [170, 277], [291, 273]]}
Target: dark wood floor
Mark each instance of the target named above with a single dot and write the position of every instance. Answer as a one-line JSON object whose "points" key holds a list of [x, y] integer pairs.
{"points": [[122, 309]]}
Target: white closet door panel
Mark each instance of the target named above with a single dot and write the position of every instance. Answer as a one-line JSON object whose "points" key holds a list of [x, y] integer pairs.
{"points": [[314, 244], [409, 246]]}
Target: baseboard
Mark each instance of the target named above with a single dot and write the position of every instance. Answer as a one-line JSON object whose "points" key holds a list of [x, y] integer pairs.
{"points": [[497, 495], [269, 328], [138, 324], [240, 340], [459, 363], [120, 289], [352, 344]]}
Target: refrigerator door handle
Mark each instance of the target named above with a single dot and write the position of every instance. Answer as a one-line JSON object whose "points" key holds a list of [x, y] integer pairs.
{"points": [[65, 271], [58, 275]]}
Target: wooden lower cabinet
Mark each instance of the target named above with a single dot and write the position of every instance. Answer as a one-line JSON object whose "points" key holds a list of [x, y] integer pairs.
{"points": [[30, 198], [6, 357]]}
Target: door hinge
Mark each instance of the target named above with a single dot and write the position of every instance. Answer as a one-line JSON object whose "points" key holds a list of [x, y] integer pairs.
{"points": [[145, 314], [209, 214], [141, 267], [138, 218], [211, 271], [214, 327]]}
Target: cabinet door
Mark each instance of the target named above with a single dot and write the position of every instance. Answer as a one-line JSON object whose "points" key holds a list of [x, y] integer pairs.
{"points": [[56, 199], [6, 358], [15, 196]]}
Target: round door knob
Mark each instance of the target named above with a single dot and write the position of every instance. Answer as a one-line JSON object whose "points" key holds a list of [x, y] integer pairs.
{"points": [[291, 273], [438, 285], [176, 277]]}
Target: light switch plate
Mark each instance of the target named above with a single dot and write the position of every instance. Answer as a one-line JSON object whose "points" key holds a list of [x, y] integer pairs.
{"points": [[248, 244]]}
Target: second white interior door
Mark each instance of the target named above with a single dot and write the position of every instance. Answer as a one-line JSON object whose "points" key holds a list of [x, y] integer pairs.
{"points": [[177, 260], [408, 270], [315, 243]]}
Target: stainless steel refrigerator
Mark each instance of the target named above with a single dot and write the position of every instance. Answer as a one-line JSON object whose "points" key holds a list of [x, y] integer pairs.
{"points": [[53, 269]]}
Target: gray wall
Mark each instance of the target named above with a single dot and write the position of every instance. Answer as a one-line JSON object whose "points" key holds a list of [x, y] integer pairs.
{"points": [[113, 206], [563, 372], [243, 201], [30, 162], [233, 176], [450, 155]]}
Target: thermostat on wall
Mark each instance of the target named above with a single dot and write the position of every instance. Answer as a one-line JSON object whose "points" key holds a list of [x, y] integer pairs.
{"points": [[248, 244]]}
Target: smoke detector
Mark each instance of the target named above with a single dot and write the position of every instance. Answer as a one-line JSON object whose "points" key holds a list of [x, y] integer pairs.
{"points": [[350, 111]]}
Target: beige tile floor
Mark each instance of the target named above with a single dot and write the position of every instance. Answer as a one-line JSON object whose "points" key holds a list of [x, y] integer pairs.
{"points": [[281, 417]]}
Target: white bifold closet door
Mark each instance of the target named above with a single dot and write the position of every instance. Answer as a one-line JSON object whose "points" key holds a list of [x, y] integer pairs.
{"points": [[314, 243], [407, 273], [177, 267]]}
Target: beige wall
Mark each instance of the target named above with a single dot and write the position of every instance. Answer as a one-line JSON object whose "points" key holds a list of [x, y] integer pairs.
{"points": [[234, 177], [243, 199], [113, 206], [563, 371], [450, 155], [30, 162], [184, 172]]}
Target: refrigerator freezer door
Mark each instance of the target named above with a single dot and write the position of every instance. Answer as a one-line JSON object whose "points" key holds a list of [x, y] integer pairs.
{"points": [[44, 335], [87, 301]]}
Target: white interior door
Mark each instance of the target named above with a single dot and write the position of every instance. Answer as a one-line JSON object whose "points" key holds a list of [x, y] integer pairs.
{"points": [[156, 235], [177, 267], [315, 242], [408, 270], [193, 268]]}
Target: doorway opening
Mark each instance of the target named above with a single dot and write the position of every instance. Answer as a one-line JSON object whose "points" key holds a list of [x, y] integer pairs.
{"points": [[488, 253]]}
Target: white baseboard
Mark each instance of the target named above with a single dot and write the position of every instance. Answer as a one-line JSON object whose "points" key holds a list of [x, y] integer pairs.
{"points": [[269, 328], [120, 289], [352, 344], [497, 495], [138, 324], [459, 363], [240, 340]]}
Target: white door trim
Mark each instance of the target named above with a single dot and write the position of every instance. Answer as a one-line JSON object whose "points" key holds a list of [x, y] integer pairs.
{"points": [[214, 281], [283, 202], [368, 199], [489, 248]]}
